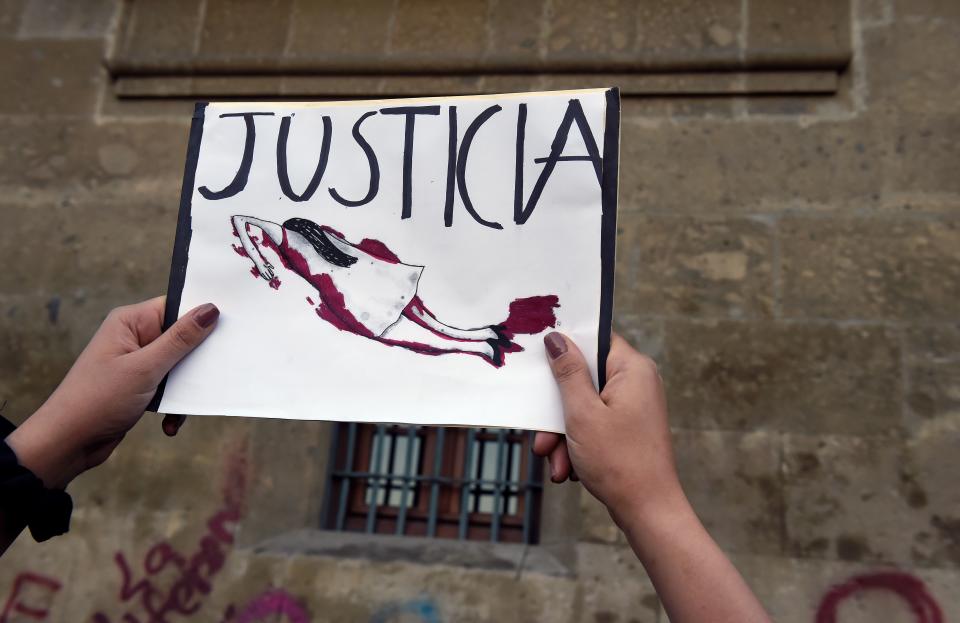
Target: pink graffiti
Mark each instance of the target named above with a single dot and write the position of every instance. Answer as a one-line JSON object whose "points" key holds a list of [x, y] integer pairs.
{"points": [[270, 604], [910, 589], [194, 573], [23, 597]]}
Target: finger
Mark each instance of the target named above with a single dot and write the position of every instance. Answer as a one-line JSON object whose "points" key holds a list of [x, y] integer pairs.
{"points": [[180, 339], [571, 373], [560, 463], [544, 443], [172, 423]]}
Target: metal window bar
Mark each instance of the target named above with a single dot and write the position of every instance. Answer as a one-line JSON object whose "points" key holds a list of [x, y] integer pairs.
{"points": [[345, 485], [435, 486], [408, 465], [375, 489], [414, 484], [466, 485]]}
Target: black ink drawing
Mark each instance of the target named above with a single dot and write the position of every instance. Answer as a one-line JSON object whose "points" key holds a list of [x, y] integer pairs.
{"points": [[365, 289]]}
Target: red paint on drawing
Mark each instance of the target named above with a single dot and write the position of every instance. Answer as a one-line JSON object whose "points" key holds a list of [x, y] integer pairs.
{"points": [[275, 283], [310, 301], [334, 309], [255, 272], [531, 315], [913, 591], [240, 250], [378, 250]]}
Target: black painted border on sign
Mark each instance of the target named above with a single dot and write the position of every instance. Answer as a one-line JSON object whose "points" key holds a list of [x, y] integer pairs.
{"points": [[181, 245], [608, 235]]}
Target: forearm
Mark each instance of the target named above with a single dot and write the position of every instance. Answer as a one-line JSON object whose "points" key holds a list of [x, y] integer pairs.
{"points": [[696, 582]]}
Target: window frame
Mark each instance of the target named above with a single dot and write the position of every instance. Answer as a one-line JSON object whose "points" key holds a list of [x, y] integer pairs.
{"points": [[435, 491]]}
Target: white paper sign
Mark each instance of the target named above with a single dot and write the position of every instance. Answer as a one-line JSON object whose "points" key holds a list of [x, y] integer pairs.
{"points": [[395, 260]]}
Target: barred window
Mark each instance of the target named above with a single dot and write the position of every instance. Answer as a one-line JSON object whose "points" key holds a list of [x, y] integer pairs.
{"points": [[459, 483]]}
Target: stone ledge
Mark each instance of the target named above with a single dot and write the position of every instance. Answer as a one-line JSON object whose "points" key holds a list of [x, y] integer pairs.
{"points": [[809, 82], [424, 551]]}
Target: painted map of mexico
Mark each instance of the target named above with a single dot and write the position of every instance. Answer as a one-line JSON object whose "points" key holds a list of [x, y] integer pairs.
{"points": [[365, 289]]}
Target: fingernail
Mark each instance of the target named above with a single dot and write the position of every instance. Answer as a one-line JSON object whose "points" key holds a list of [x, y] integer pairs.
{"points": [[555, 344], [206, 315]]}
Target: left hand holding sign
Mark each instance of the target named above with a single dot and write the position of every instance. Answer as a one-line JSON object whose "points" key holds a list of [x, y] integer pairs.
{"points": [[107, 389]]}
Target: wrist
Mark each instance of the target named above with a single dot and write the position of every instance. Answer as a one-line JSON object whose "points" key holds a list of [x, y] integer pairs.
{"points": [[43, 446], [652, 515]]}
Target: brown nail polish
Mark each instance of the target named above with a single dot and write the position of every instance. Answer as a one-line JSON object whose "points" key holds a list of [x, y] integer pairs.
{"points": [[206, 315], [555, 344]]}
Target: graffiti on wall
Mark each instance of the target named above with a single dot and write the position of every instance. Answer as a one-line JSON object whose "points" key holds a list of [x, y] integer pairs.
{"points": [[169, 586], [271, 606], [421, 610], [189, 576], [30, 597], [909, 588]]}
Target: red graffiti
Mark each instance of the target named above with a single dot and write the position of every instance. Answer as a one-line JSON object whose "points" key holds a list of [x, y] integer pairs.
{"points": [[910, 589], [193, 573], [26, 595]]}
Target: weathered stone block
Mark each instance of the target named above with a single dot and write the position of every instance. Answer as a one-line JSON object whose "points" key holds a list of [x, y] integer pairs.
{"points": [[811, 31], [708, 167], [357, 34], [876, 269], [923, 158], [647, 335], [791, 377], [89, 246], [62, 161], [49, 77], [423, 27], [10, 11], [706, 33], [933, 389], [158, 31], [733, 482], [250, 34], [516, 32], [694, 267], [608, 28], [67, 19], [914, 78], [614, 585], [596, 525], [874, 499], [932, 342], [928, 477], [35, 351]]}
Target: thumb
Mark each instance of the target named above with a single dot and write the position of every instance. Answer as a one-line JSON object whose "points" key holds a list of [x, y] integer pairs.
{"points": [[180, 339], [571, 373]]}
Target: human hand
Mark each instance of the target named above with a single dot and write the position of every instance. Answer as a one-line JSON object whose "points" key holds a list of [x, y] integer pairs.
{"points": [[618, 441], [107, 389]]}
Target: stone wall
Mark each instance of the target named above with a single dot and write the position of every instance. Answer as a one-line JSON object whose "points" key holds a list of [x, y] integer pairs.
{"points": [[792, 261]]}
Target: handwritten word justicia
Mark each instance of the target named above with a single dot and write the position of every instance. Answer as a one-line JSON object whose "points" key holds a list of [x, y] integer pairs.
{"points": [[458, 152]]}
